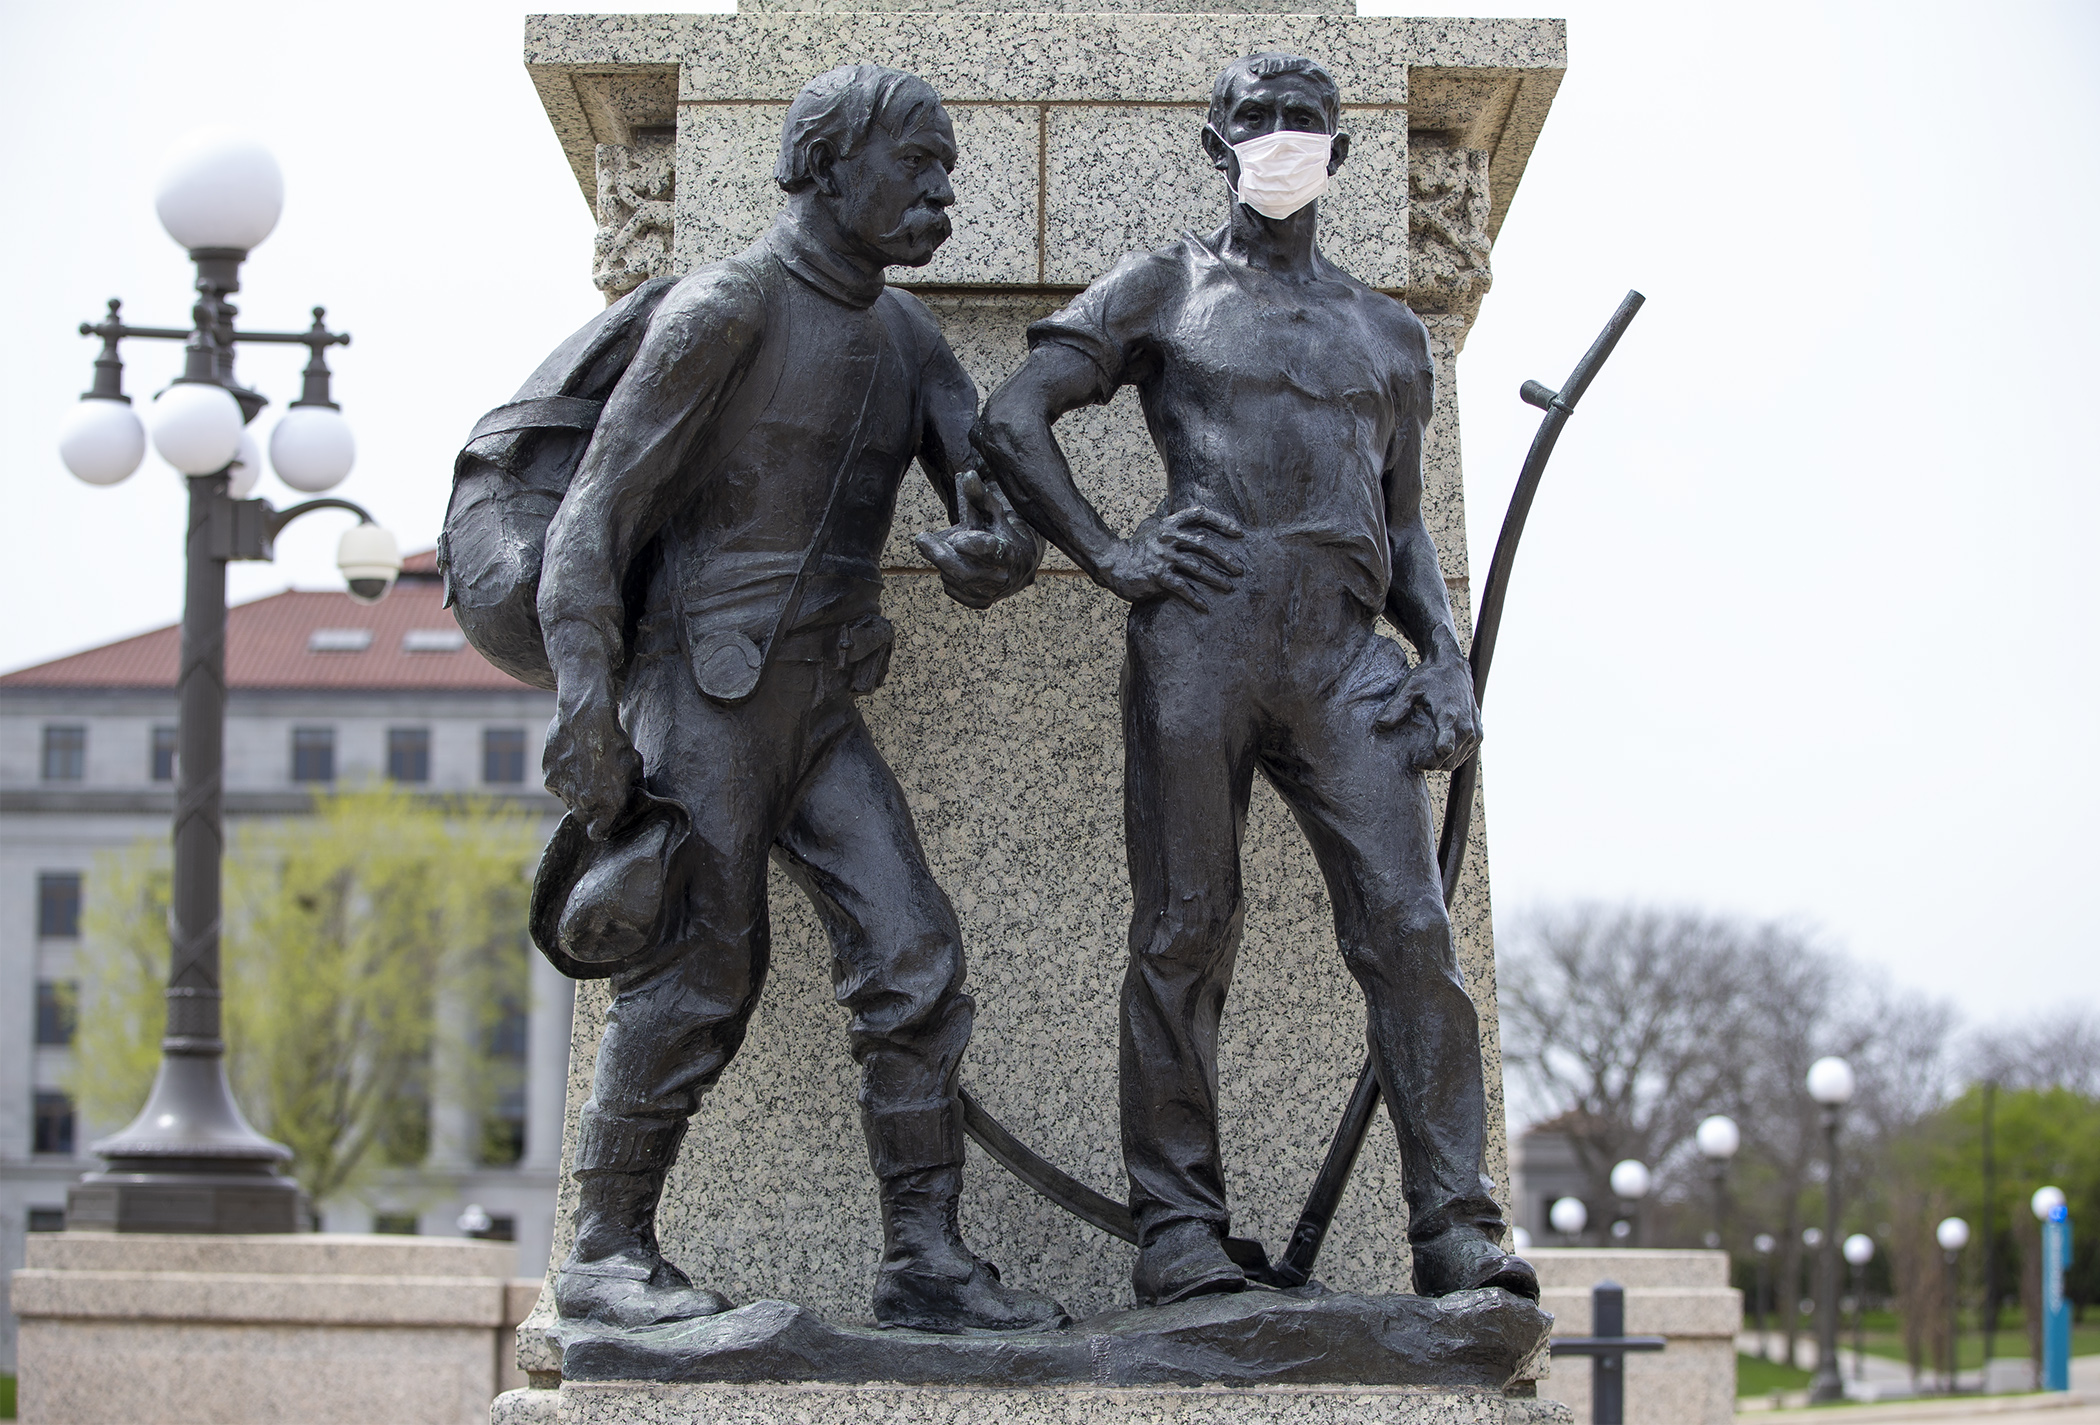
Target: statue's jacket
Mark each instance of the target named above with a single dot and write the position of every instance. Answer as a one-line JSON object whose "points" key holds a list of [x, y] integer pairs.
{"points": [[763, 382]]}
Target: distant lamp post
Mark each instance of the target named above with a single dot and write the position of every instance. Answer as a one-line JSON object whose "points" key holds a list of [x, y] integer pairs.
{"points": [[1830, 1084], [1764, 1244], [1568, 1217], [190, 1162], [1520, 1241], [1718, 1139], [1953, 1235], [2055, 1215], [1630, 1181], [1859, 1250]]}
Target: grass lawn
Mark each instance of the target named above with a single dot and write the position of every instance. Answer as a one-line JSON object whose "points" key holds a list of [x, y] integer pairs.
{"points": [[1885, 1337], [1759, 1377], [7, 1397]]}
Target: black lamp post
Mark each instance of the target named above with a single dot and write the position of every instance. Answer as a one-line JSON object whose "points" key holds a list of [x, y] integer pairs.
{"points": [[1764, 1244], [1953, 1235], [190, 1162], [1859, 1250], [1718, 1138], [1630, 1181], [1830, 1084]]}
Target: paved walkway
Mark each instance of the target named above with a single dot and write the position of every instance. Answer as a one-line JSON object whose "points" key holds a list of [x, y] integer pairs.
{"points": [[2079, 1406]]}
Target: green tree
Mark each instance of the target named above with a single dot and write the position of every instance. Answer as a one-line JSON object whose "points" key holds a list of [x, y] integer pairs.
{"points": [[360, 943]]}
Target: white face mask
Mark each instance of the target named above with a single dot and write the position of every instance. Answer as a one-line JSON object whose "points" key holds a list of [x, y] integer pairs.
{"points": [[1282, 172]]}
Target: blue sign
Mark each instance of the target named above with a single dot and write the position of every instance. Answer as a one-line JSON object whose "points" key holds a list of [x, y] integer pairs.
{"points": [[2056, 1309]]}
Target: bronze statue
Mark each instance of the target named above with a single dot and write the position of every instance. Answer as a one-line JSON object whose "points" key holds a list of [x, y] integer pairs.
{"points": [[1289, 404], [711, 608]]}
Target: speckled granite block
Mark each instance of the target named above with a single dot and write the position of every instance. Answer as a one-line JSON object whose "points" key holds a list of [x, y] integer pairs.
{"points": [[726, 154], [590, 1403], [1003, 725], [336, 1330], [1123, 180], [1683, 1296]]}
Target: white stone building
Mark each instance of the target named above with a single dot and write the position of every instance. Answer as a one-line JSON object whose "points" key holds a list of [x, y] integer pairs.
{"points": [[320, 690]]}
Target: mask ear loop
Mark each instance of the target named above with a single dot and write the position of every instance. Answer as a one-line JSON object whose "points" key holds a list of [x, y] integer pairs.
{"points": [[1230, 186]]}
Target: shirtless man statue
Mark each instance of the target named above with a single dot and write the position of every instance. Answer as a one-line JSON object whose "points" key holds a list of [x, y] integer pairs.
{"points": [[1289, 403]]}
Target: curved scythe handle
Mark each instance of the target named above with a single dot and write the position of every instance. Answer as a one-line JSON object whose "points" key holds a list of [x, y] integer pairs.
{"points": [[1326, 1195]]}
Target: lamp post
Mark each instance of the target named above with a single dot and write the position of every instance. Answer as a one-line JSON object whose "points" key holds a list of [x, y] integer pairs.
{"points": [[2055, 1216], [1568, 1217], [1859, 1250], [1630, 1181], [1718, 1138], [190, 1162], [1953, 1235], [1764, 1243], [1830, 1084]]}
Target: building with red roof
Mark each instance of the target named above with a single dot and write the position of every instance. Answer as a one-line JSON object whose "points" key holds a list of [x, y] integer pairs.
{"points": [[321, 691]]}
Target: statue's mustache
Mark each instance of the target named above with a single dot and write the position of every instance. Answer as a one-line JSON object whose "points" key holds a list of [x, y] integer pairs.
{"points": [[922, 221]]}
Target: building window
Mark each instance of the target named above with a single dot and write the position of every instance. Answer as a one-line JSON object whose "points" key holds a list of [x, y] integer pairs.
{"points": [[394, 1224], [408, 754], [503, 754], [313, 754], [54, 1123], [58, 905], [163, 754], [65, 754], [47, 1219], [500, 1229], [55, 1012]]}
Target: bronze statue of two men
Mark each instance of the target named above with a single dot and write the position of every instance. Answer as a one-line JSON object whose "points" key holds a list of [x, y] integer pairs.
{"points": [[710, 601]]}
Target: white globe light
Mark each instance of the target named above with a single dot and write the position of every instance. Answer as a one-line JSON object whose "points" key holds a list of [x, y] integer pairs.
{"points": [[1830, 1082], [311, 448], [1568, 1216], [1520, 1240], [1811, 1237], [1718, 1137], [2048, 1203], [220, 189], [1953, 1234], [1765, 1243], [245, 470], [1859, 1249], [102, 441], [369, 558], [197, 427], [1631, 1180]]}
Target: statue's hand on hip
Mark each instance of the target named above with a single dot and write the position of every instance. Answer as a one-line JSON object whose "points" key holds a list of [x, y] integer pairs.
{"points": [[590, 763], [1434, 714], [1175, 556]]}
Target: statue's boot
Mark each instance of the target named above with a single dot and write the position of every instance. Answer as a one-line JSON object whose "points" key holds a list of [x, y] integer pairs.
{"points": [[616, 1274], [1185, 1259], [929, 1279], [1465, 1258]]}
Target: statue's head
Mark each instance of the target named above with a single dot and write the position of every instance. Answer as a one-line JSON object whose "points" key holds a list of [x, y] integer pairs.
{"points": [[873, 148], [1266, 94]]}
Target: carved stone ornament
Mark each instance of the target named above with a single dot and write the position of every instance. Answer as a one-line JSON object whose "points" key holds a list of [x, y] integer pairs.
{"points": [[636, 186], [1447, 228]]}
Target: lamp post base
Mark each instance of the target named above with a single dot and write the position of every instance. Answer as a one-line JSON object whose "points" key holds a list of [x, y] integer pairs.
{"points": [[153, 1199]]}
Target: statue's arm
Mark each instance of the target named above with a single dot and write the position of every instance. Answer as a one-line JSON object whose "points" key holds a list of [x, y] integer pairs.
{"points": [[1435, 706], [1021, 451], [698, 345], [988, 552]]}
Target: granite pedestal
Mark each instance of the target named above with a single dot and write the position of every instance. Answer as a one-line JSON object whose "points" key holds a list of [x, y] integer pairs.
{"points": [[321, 1329], [1078, 134]]}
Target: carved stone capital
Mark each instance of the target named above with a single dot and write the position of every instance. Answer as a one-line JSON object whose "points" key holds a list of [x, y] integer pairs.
{"points": [[637, 185], [1447, 227]]}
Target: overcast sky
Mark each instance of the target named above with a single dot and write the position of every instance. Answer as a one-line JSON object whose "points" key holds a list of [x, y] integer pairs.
{"points": [[1803, 626]]}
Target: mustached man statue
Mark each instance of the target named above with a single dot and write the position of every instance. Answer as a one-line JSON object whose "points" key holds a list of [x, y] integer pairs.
{"points": [[1289, 404], [710, 603]]}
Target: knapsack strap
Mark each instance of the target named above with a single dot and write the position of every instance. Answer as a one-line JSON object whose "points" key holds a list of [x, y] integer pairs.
{"points": [[541, 413]]}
